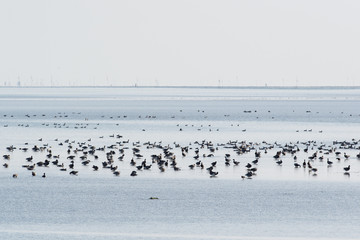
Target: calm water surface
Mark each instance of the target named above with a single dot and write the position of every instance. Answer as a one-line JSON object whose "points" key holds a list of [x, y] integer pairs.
{"points": [[279, 203]]}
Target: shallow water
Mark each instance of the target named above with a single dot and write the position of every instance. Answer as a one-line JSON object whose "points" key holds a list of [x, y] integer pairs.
{"points": [[279, 202], [110, 208]]}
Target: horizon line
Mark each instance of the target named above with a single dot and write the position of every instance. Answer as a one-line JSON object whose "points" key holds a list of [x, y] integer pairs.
{"points": [[178, 86]]}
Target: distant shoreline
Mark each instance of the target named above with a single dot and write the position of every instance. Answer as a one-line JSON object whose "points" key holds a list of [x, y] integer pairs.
{"points": [[204, 87]]}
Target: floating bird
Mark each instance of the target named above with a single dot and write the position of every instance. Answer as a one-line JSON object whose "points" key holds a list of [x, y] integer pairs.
{"points": [[249, 174], [329, 162], [347, 168], [297, 165]]}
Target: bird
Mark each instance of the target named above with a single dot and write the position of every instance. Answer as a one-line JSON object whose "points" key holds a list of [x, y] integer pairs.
{"points": [[213, 174], [297, 165], [44, 175], [73, 172], [133, 173], [309, 164], [253, 170], [329, 162], [71, 165], [249, 174], [347, 168]]}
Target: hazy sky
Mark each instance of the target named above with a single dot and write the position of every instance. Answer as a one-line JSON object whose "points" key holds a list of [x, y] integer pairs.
{"points": [[187, 42]]}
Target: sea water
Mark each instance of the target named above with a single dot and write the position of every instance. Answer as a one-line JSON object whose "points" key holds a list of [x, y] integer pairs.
{"points": [[280, 202]]}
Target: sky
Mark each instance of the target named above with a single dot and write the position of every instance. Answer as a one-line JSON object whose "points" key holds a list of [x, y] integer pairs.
{"points": [[180, 43]]}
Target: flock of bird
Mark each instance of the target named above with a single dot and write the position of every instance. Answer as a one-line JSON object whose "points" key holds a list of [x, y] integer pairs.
{"points": [[60, 119], [72, 157]]}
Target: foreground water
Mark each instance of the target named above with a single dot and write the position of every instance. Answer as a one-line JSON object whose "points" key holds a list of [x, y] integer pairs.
{"points": [[279, 202], [88, 208]]}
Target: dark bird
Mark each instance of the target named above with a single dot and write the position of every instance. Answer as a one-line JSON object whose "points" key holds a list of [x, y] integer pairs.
{"points": [[253, 169], [213, 174], [297, 165], [85, 162], [347, 168], [309, 164], [249, 174], [71, 165]]}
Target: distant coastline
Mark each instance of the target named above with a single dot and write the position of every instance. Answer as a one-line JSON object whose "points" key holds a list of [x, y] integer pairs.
{"points": [[203, 87]]}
